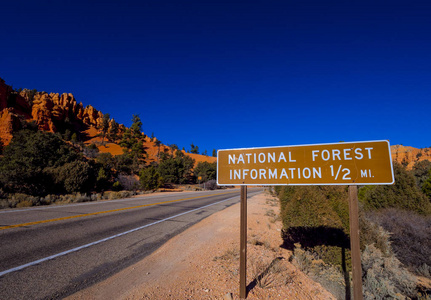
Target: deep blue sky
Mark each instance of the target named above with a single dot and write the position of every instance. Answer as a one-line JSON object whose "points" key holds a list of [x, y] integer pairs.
{"points": [[229, 74]]}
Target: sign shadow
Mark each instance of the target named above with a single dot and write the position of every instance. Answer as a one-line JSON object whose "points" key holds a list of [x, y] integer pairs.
{"points": [[310, 237]]}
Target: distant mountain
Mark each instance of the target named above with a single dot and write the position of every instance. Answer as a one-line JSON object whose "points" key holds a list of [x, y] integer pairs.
{"points": [[62, 113]]}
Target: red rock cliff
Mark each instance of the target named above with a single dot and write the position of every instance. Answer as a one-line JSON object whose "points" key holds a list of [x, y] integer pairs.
{"points": [[45, 109]]}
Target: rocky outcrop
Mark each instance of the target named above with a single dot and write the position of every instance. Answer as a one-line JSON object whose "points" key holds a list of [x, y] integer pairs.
{"points": [[9, 122], [409, 155], [4, 92], [51, 109], [42, 112]]}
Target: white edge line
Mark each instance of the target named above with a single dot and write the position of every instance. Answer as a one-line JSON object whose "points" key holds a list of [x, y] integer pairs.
{"points": [[63, 205], [105, 239]]}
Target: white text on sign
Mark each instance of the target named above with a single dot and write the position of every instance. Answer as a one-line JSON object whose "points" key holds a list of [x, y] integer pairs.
{"points": [[341, 163]]}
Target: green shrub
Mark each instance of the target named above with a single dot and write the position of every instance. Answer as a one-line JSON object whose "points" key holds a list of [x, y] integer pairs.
{"points": [[40, 163], [421, 171], [206, 170], [404, 194], [426, 187], [308, 206], [76, 176], [317, 218], [150, 179], [177, 169]]}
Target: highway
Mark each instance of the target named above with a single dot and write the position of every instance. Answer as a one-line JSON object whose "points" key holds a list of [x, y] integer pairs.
{"points": [[50, 252]]}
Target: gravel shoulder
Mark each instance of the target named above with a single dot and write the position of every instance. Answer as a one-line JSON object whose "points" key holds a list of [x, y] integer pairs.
{"points": [[203, 263]]}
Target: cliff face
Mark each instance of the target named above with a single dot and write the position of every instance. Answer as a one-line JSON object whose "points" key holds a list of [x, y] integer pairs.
{"points": [[48, 111], [409, 155], [13, 107], [4, 92], [9, 122], [51, 109]]}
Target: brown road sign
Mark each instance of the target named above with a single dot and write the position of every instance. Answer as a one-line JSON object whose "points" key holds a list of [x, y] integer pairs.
{"points": [[352, 163]]}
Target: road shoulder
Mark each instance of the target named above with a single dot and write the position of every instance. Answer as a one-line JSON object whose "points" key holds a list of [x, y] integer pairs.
{"points": [[202, 263]]}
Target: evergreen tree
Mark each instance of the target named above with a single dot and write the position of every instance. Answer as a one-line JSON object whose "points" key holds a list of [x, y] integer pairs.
{"points": [[150, 179], [136, 126], [33, 160], [426, 186], [158, 143], [404, 194], [206, 170], [132, 141], [177, 169], [194, 149], [105, 126], [113, 131], [421, 171]]}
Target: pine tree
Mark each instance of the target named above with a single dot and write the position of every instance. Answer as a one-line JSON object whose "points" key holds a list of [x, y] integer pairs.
{"points": [[113, 131], [105, 126], [133, 141], [194, 149]]}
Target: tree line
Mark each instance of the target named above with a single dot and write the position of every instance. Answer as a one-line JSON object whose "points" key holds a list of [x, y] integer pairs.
{"points": [[41, 163]]}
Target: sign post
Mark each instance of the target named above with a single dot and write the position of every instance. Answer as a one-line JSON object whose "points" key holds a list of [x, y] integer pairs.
{"points": [[355, 251], [352, 163], [243, 245]]}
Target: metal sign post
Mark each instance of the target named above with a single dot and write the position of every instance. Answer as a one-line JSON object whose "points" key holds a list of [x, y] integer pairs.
{"points": [[354, 242], [243, 245]]}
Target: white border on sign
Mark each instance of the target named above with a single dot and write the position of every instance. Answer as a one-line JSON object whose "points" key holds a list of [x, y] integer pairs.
{"points": [[298, 184]]}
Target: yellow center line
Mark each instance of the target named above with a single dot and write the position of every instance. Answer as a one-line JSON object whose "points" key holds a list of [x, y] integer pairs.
{"points": [[105, 212]]}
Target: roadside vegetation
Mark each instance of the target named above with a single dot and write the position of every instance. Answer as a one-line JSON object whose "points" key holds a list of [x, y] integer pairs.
{"points": [[41, 168], [395, 225]]}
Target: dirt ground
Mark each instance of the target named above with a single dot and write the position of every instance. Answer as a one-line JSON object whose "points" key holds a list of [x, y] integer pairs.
{"points": [[203, 263]]}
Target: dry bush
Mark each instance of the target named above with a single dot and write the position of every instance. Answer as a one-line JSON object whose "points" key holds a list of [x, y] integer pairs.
{"points": [[4, 203], [424, 270], [268, 272], [410, 237], [23, 200], [327, 275], [119, 195], [128, 182], [211, 185], [384, 277], [230, 254], [373, 233]]}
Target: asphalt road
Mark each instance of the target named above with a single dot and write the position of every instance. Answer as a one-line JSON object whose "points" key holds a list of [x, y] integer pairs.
{"points": [[53, 251]]}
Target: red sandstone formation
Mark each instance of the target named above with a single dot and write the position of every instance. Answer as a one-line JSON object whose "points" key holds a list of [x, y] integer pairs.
{"points": [[46, 110]]}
